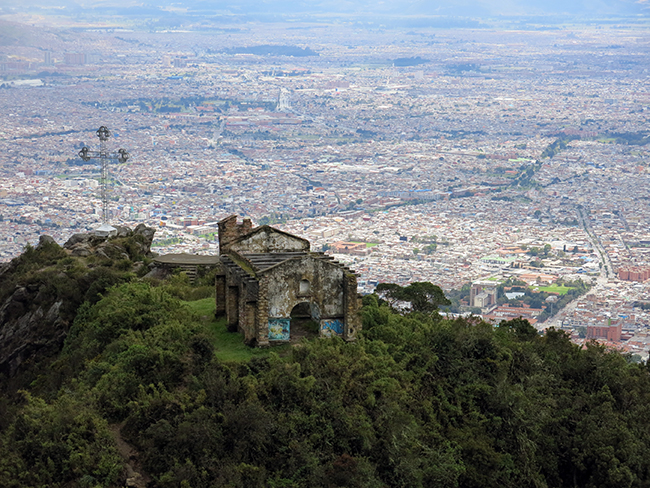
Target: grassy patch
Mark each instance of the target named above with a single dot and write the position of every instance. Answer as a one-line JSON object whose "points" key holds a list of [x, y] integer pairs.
{"points": [[562, 290], [229, 346], [368, 244]]}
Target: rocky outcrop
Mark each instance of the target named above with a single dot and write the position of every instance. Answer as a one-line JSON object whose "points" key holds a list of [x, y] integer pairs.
{"points": [[37, 306], [45, 240], [26, 334], [125, 244], [144, 238]]}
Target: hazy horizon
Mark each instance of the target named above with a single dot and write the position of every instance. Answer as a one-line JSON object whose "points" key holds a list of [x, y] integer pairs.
{"points": [[477, 9]]}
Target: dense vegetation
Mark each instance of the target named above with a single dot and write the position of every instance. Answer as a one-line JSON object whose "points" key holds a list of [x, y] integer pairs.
{"points": [[416, 401]]}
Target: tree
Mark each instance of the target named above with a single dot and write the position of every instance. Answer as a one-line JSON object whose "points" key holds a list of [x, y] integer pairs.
{"points": [[390, 292], [430, 248], [533, 251], [424, 296], [521, 327]]}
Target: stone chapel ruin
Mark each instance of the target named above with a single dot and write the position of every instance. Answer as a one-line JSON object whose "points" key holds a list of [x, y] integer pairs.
{"points": [[270, 276]]}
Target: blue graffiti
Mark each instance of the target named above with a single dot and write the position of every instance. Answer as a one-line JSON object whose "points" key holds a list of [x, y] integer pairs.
{"points": [[331, 327], [279, 329]]}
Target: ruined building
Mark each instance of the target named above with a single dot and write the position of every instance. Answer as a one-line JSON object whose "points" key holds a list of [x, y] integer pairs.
{"points": [[271, 279]]}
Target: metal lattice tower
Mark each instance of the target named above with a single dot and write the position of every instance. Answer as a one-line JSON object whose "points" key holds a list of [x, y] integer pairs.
{"points": [[121, 155]]}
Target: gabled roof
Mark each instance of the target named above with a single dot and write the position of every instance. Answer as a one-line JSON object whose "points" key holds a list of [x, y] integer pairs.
{"points": [[303, 244]]}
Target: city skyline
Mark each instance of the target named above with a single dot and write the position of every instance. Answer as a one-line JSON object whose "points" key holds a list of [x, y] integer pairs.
{"points": [[450, 153]]}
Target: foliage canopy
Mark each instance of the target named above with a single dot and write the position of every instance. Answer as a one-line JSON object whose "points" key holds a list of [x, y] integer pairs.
{"points": [[417, 401]]}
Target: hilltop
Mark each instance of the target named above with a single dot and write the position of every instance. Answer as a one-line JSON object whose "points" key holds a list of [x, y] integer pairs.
{"points": [[41, 290], [131, 381]]}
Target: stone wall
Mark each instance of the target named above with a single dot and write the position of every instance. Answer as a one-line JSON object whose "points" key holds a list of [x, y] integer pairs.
{"points": [[267, 239], [325, 287], [352, 306], [230, 230], [263, 312]]}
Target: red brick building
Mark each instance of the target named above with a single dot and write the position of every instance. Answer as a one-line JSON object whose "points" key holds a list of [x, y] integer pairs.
{"points": [[634, 273], [605, 332], [507, 312]]}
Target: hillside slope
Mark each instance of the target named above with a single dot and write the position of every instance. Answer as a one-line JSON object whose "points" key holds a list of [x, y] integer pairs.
{"points": [[138, 396]]}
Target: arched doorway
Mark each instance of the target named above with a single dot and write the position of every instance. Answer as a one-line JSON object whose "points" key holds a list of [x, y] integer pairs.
{"points": [[305, 319]]}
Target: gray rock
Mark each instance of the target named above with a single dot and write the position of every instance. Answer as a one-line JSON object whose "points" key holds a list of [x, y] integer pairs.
{"points": [[147, 232], [90, 239], [158, 274], [26, 336], [76, 239], [53, 313], [80, 249], [123, 231], [20, 295], [44, 240], [111, 251], [137, 481]]}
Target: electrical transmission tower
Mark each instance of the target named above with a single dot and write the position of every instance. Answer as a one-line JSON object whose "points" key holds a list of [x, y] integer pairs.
{"points": [[104, 155]]}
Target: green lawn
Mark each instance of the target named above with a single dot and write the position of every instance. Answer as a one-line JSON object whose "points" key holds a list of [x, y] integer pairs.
{"points": [[229, 346], [562, 290], [368, 244]]}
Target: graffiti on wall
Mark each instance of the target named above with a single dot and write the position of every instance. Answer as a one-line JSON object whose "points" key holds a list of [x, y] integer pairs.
{"points": [[331, 327], [279, 329]]}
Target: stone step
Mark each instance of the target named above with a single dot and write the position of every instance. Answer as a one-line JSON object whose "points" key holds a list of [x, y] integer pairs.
{"points": [[190, 271]]}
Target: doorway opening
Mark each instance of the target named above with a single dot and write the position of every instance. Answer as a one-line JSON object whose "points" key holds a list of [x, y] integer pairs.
{"points": [[305, 321]]}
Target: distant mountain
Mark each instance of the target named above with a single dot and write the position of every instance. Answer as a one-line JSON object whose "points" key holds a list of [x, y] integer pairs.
{"points": [[463, 8]]}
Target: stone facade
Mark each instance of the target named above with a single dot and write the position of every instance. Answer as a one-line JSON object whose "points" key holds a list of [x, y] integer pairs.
{"points": [[271, 278]]}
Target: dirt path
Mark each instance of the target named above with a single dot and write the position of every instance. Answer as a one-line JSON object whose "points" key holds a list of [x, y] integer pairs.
{"points": [[135, 476]]}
